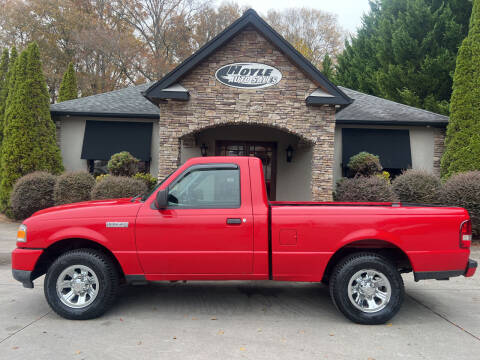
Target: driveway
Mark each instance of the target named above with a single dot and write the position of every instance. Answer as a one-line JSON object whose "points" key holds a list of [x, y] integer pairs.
{"points": [[244, 319]]}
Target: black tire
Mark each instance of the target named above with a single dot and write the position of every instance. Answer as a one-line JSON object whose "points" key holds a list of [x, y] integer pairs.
{"points": [[351, 265], [108, 283]]}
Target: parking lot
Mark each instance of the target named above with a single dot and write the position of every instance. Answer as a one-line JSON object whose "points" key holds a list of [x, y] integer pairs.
{"points": [[244, 319]]}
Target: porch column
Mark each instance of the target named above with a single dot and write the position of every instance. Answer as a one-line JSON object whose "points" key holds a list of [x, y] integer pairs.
{"points": [[169, 150]]}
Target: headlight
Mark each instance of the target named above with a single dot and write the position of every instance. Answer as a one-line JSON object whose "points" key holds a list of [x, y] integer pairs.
{"points": [[22, 233]]}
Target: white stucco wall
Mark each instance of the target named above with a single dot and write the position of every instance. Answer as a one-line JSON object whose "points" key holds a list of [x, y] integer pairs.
{"points": [[421, 146], [72, 130], [293, 179]]}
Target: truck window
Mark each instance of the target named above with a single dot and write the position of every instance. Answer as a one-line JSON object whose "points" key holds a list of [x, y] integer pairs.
{"points": [[206, 188]]}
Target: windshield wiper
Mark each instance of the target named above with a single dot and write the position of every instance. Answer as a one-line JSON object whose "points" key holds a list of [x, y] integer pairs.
{"points": [[135, 197]]}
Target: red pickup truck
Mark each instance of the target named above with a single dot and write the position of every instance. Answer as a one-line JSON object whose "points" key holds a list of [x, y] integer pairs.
{"points": [[211, 220]]}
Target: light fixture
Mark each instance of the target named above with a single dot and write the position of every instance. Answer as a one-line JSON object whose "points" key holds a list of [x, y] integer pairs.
{"points": [[204, 149], [289, 151]]}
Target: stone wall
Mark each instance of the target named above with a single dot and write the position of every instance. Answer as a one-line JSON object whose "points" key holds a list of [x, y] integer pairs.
{"points": [[438, 149], [281, 106]]}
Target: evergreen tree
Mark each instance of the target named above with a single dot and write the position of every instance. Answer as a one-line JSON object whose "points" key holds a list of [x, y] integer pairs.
{"points": [[462, 152], [3, 88], [68, 87], [405, 51], [29, 138], [327, 67]]}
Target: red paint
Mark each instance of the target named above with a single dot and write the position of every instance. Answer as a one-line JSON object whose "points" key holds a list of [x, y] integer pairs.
{"points": [[198, 244]]}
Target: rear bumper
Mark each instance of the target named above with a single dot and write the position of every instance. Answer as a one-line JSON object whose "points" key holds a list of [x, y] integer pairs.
{"points": [[23, 264], [471, 267], [445, 275]]}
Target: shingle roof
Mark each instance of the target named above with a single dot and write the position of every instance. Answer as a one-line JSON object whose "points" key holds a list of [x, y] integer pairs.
{"points": [[128, 102], [369, 109], [366, 109]]}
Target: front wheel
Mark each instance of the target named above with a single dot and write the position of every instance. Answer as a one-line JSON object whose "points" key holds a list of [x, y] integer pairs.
{"points": [[367, 288], [81, 284]]}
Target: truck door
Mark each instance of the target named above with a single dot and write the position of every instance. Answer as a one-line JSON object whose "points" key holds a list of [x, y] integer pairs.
{"points": [[206, 229]]}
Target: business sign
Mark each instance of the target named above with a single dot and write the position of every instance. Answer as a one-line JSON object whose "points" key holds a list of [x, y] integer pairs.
{"points": [[248, 75]]}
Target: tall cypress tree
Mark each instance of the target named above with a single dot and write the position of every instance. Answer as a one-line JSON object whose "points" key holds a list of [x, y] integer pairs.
{"points": [[462, 152], [68, 87], [327, 67], [405, 51], [3, 88], [29, 138]]}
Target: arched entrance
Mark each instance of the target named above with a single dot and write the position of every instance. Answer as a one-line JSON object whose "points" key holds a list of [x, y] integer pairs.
{"points": [[286, 178]]}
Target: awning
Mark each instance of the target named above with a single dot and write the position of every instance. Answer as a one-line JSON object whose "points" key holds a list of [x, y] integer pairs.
{"points": [[104, 138], [392, 146]]}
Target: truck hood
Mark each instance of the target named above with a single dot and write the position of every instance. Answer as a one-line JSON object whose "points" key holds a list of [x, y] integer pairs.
{"points": [[90, 209]]}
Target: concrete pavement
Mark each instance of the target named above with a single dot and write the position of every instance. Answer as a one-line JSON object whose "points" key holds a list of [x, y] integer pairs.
{"points": [[253, 320], [8, 234]]}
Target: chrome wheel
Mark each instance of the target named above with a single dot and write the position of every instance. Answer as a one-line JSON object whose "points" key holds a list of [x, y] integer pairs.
{"points": [[77, 286], [369, 290]]}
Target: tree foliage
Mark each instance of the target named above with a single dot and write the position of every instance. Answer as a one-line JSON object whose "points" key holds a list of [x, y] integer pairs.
{"points": [[313, 32], [117, 43], [405, 51], [4, 62], [462, 152], [68, 87], [29, 142], [327, 67]]}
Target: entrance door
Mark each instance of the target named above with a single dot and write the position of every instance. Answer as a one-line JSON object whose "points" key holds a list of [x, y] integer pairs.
{"points": [[266, 151]]}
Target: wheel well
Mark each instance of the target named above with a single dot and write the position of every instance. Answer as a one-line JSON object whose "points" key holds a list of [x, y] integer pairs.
{"points": [[381, 247], [60, 247]]}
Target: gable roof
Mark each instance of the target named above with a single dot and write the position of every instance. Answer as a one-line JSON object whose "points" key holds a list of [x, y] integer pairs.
{"points": [[124, 103], [371, 110], [250, 17]]}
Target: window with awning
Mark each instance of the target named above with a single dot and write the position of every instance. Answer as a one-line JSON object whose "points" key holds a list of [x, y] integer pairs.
{"points": [[102, 139], [392, 146]]}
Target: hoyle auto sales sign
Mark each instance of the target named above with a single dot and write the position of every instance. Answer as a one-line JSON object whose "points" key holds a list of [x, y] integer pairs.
{"points": [[248, 75]]}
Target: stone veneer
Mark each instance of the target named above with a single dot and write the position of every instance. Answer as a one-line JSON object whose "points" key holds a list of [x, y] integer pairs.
{"points": [[281, 106], [438, 149]]}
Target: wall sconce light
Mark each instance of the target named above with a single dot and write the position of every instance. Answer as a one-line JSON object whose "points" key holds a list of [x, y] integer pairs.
{"points": [[204, 149], [289, 151]]}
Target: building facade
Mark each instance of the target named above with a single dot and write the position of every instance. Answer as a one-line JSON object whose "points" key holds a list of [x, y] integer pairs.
{"points": [[248, 92]]}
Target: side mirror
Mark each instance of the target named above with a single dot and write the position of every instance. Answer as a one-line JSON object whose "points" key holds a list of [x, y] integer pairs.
{"points": [[161, 200]]}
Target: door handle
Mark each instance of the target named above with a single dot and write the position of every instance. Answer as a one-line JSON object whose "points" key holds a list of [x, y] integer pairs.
{"points": [[234, 221]]}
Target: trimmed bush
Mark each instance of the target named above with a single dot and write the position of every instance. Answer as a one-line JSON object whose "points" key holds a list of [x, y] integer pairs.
{"points": [[417, 186], [73, 187], [115, 187], [464, 190], [150, 181], [31, 193], [365, 164], [123, 164], [361, 188]]}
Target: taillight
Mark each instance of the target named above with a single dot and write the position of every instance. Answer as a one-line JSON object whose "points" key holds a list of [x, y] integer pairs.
{"points": [[466, 234]]}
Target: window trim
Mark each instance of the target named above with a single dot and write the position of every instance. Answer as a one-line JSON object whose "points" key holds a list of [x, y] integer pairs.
{"points": [[206, 167]]}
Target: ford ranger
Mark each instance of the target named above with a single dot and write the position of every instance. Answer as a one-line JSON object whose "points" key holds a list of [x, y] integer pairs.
{"points": [[211, 220]]}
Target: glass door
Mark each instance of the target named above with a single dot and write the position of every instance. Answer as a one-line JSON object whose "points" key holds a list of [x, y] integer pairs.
{"points": [[266, 151]]}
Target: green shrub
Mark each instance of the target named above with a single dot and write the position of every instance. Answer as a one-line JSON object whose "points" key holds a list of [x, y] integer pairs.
{"points": [[123, 164], [365, 164], [31, 193], [73, 187], [114, 187], [417, 186], [149, 179], [362, 188], [464, 190]]}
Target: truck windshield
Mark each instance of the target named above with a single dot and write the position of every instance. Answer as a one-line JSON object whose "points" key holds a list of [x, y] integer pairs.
{"points": [[147, 194]]}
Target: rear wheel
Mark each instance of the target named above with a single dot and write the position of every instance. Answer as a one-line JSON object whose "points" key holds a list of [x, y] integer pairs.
{"points": [[81, 284], [367, 288]]}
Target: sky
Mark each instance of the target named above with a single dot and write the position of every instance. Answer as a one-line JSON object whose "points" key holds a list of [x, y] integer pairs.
{"points": [[349, 11]]}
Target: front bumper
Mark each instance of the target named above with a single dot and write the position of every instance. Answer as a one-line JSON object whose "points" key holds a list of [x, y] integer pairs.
{"points": [[23, 265]]}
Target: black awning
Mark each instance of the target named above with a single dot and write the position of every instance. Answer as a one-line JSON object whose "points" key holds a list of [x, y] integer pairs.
{"points": [[392, 146], [104, 138]]}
